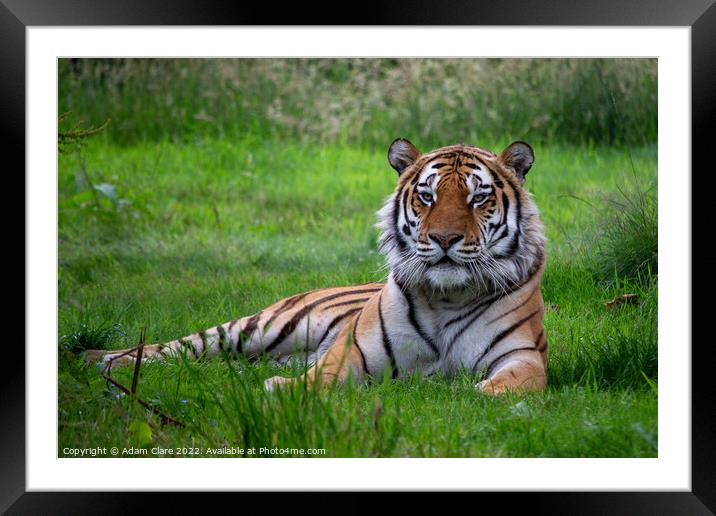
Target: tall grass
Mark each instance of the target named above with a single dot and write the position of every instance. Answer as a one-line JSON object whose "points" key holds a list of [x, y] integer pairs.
{"points": [[367, 102], [627, 235]]}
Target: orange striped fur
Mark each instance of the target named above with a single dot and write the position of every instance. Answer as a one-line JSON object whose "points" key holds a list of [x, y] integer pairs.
{"points": [[466, 251]]}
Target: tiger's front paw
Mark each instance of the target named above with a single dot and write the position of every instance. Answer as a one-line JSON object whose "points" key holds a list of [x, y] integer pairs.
{"points": [[491, 387], [276, 382], [519, 384]]}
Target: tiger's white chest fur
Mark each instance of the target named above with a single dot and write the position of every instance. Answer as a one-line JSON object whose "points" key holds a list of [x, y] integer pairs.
{"points": [[432, 333]]}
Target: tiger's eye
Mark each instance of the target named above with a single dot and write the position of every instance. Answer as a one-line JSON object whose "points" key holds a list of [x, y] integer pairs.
{"points": [[426, 197], [478, 199]]}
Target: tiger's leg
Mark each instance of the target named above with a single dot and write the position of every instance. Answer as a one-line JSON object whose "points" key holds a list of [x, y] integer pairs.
{"points": [[305, 322], [348, 356], [522, 369]]}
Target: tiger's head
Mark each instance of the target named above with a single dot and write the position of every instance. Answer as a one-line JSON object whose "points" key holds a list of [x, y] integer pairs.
{"points": [[460, 218]]}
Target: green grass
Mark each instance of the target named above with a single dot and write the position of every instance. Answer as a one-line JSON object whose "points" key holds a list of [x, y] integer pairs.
{"points": [[224, 405], [193, 234], [627, 241]]}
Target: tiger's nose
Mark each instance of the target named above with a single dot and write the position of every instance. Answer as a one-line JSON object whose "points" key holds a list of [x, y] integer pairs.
{"points": [[445, 241]]}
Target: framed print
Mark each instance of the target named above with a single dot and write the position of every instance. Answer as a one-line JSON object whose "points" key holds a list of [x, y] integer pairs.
{"points": [[205, 197]]}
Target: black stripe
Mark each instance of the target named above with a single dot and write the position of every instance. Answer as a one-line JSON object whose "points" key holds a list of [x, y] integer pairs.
{"points": [[386, 340], [503, 234], [491, 367], [290, 326], [189, 345], [500, 336], [287, 304], [413, 320], [222, 337], [497, 181], [247, 332], [523, 303], [405, 209], [473, 166], [362, 356], [491, 299], [512, 248], [515, 243], [505, 207], [336, 321], [396, 231], [541, 348], [355, 343], [343, 303], [425, 160], [252, 323], [469, 323]]}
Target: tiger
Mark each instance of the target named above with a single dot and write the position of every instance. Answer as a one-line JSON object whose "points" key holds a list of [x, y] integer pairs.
{"points": [[465, 250]]}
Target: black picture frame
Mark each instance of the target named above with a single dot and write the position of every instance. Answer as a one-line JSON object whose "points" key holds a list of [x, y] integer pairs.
{"points": [[699, 15]]}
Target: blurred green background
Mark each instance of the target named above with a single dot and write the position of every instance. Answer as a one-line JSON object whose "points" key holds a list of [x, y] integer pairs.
{"points": [[367, 102]]}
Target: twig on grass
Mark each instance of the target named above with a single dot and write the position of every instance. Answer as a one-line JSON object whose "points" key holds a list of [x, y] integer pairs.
{"points": [[622, 300], [165, 418], [138, 361]]}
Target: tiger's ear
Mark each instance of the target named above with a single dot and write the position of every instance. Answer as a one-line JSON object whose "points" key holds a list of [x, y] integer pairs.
{"points": [[402, 154], [519, 156]]}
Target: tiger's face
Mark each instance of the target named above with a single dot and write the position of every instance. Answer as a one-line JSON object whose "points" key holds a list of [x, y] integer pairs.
{"points": [[460, 218]]}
